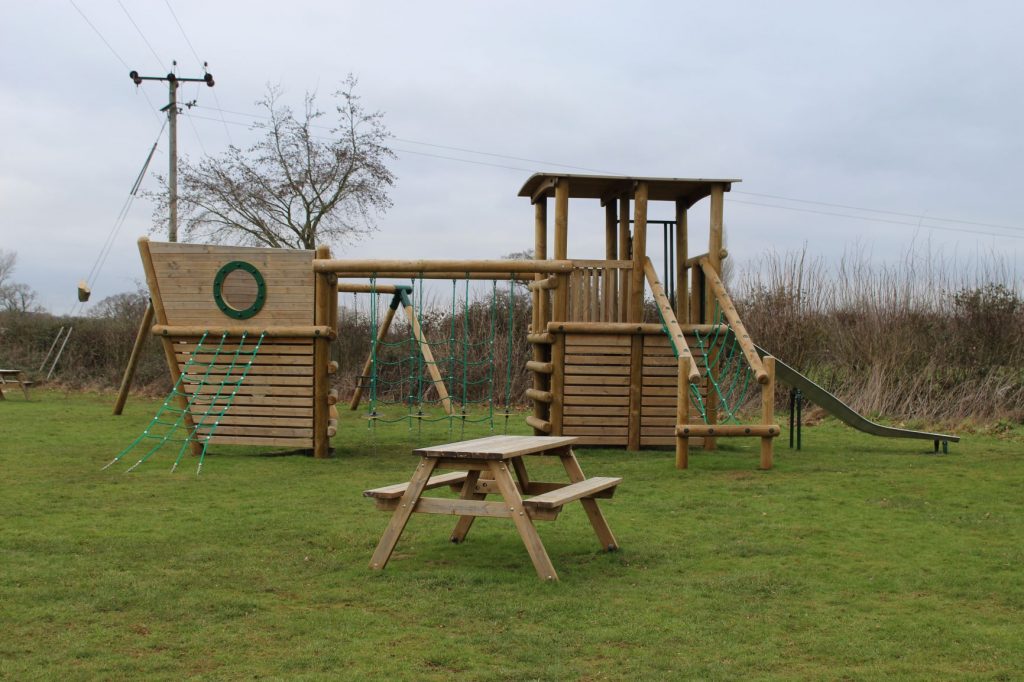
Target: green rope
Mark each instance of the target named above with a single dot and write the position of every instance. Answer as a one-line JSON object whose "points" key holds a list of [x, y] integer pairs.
{"points": [[193, 398]]}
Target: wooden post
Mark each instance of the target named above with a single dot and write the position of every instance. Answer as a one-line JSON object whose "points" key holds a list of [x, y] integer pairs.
{"points": [[636, 293], [636, 359], [768, 410], [428, 358], [561, 219], [540, 352], [622, 292], [682, 414], [557, 377], [611, 252], [357, 395], [321, 359], [133, 360], [715, 239], [682, 294]]}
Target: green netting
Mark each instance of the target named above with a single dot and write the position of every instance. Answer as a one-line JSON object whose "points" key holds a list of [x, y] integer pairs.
{"points": [[466, 360], [727, 372], [202, 395]]}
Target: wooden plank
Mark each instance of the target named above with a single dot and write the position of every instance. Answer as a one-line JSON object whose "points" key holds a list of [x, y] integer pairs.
{"points": [[596, 390], [271, 410], [252, 379], [586, 380], [597, 400], [398, 489], [259, 421], [596, 431], [573, 492], [269, 432], [598, 410], [401, 516], [603, 370], [524, 523], [597, 421], [496, 447], [249, 389], [221, 439], [604, 340], [590, 359]]}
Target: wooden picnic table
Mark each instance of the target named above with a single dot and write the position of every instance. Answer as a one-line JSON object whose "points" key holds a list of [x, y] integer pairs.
{"points": [[12, 376], [483, 467]]}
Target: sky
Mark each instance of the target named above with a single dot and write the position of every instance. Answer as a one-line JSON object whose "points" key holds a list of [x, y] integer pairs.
{"points": [[911, 110]]}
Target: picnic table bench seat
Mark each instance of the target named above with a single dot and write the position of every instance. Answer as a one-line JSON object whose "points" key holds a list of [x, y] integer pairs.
{"points": [[391, 492], [574, 491]]}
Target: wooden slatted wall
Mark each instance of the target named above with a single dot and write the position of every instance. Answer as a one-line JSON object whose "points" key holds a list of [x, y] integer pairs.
{"points": [[658, 398], [596, 393], [274, 405]]}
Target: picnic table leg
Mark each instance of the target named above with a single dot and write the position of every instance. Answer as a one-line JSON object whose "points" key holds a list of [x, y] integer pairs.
{"points": [[402, 513], [524, 524], [468, 493], [597, 520]]}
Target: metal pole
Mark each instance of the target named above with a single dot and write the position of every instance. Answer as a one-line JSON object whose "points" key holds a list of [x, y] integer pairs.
{"points": [[59, 353], [60, 333]]}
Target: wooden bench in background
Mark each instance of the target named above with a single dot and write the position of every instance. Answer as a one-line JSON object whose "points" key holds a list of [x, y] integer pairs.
{"points": [[13, 376]]}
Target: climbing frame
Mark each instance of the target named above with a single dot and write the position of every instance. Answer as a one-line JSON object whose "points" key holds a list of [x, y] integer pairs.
{"points": [[244, 294]]}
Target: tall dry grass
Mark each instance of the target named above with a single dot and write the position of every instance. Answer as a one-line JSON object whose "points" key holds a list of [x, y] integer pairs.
{"points": [[927, 338]]}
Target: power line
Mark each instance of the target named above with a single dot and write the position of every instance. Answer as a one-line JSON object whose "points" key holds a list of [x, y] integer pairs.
{"points": [[421, 154], [876, 220], [97, 31], [141, 34], [751, 203], [110, 47], [196, 55], [182, 29], [876, 210]]}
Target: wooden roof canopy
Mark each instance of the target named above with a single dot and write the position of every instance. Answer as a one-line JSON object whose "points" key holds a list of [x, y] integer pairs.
{"points": [[608, 187]]}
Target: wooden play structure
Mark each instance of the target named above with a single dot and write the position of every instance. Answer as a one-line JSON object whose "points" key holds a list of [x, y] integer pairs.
{"points": [[600, 371], [247, 331]]}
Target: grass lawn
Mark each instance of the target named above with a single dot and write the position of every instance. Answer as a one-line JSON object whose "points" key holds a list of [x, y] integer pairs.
{"points": [[856, 558]]}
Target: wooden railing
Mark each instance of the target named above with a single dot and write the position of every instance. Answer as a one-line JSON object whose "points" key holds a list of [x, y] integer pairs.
{"points": [[725, 303], [599, 291]]}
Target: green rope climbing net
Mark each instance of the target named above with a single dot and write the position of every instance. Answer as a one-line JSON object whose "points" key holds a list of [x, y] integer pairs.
{"points": [[204, 391], [721, 360], [464, 346]]}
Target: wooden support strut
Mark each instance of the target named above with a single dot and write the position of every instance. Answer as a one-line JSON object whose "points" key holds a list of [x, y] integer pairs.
{"points": [[133, 360], [729, 310], [351, 268], [675, 334], [314, 331]]}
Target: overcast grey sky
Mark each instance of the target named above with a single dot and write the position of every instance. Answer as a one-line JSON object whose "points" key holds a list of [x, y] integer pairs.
{"points": [[913, 107]]}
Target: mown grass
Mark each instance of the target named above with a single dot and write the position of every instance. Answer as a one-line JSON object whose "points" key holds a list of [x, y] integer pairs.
{"points": [[856, 558]]}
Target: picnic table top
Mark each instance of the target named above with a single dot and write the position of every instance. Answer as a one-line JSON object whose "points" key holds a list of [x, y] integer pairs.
{"points": [[10, 371], [496, 447]]}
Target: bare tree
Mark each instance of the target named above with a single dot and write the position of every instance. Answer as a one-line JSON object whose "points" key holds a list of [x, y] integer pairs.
{"points": [[15, 297], [303, 184]]}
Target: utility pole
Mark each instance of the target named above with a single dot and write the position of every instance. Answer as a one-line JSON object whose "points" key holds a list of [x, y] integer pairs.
{"points": [[172, 134]]}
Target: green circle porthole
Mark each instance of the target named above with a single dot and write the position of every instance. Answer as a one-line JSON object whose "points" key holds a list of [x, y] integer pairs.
{"points": [[239, 290]]}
